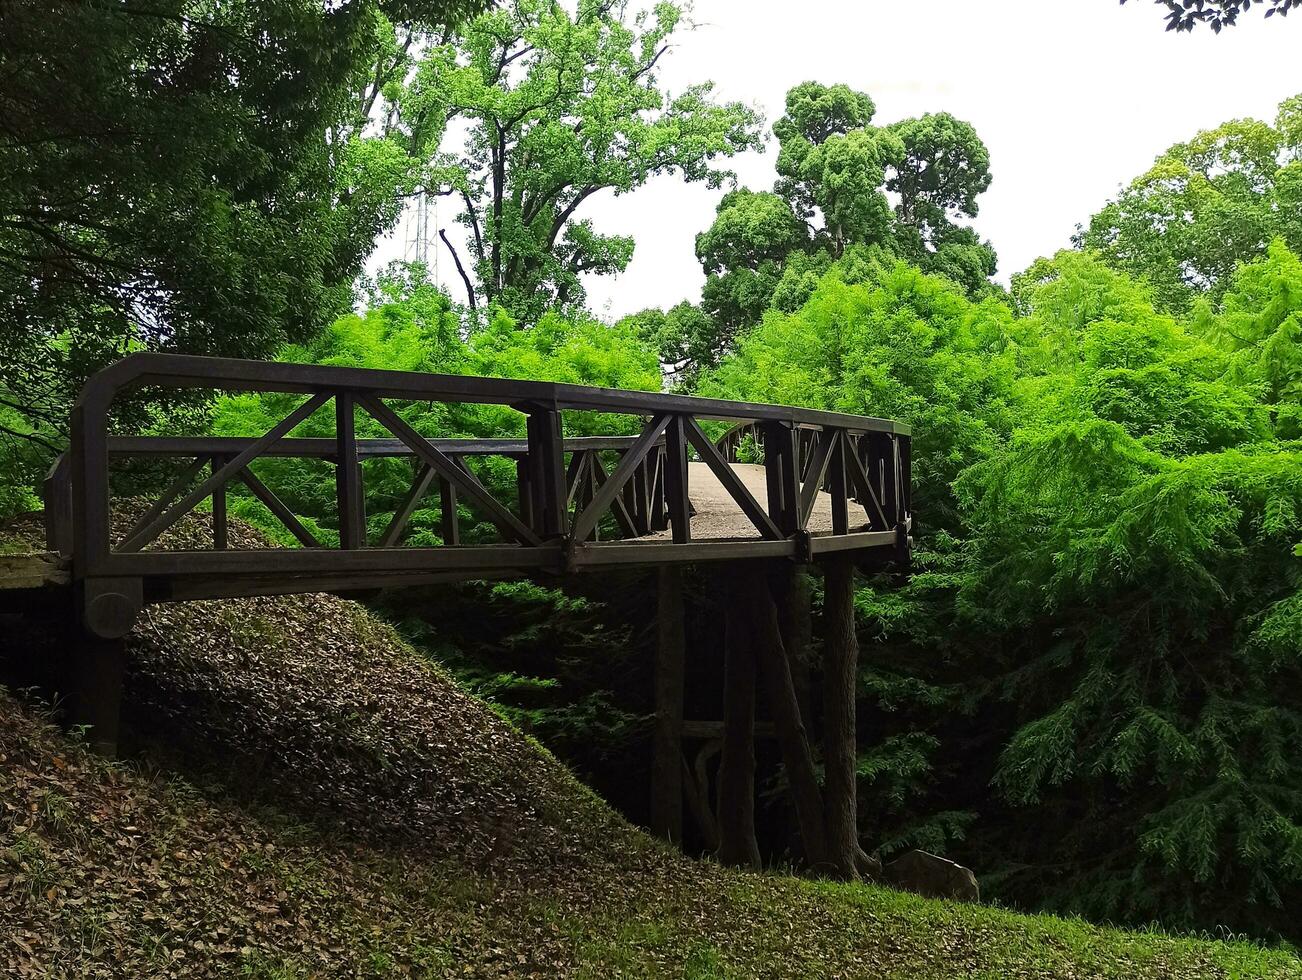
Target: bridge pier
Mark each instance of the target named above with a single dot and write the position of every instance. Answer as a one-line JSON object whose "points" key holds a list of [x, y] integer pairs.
{"points": [[105, 610], [840, 672], [737, 842], [667, 760], [767, 629], [98, 668]]}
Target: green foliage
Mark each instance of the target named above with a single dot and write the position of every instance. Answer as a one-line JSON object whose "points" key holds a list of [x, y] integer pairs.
{"points": [[179, 176], [844, 186], [557, 106], [1089, 685], [549, 661], [1205, 206], [411, 326], [903, 345]]}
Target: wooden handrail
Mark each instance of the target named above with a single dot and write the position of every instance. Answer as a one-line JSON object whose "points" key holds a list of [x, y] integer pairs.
{"points": [[565, 489]]}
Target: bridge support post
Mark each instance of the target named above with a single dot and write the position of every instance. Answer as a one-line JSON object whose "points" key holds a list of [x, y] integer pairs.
{"points": [[793, 590], [840, 668], [737, 842], [788, 721], [667, 759], [98, 667], [105, 612]]}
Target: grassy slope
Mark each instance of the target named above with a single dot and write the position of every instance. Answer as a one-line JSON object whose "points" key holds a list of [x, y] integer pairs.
{"points": [[346, 810]]}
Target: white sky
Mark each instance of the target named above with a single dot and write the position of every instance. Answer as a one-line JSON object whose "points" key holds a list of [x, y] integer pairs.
{"points": [[1073, 98]]}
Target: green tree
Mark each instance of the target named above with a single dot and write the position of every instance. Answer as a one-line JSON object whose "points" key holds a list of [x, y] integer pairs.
{"points": [[177, 175], [1205, 206], [1087, 686], [838, 175], [555, 108], [1260, 320], [409, 325], [902, 345]]}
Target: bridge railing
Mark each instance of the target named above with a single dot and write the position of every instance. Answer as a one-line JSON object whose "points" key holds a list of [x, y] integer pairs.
{"points": [[567, 487]]}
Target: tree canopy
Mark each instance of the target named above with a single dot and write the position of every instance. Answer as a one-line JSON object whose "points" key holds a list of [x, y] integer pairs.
{"points": [[526, 112], [1205, 206], [898, 191], [178, 176]]}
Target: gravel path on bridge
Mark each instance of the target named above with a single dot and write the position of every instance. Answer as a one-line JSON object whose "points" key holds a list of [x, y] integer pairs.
{"points": [[718, 518]]}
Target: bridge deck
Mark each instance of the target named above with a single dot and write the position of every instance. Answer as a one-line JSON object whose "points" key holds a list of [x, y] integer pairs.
{"points": [[717, 516]]}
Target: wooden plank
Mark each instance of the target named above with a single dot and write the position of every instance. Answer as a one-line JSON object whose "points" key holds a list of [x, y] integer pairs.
{"points": [[321, 448], [408, 506], [448, 522], [727, 476], [836, 481], [278, 509], [56, 496], [667, 740], [269, 563], [840, 685], [348, 475], [547, 473], [780, 475], [666, 552], [788, 721], [223, 475], [220, 526], [575, 474], [677, 498], [475, 493], [864, 491], [825, 544], [33, 571], [586, 520], [184, 371], [597, 472], [226, 587], [814, 474], [736, 816]]}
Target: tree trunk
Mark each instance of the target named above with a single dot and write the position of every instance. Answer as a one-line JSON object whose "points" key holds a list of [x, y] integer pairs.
{"points": [[737, 843], [792, 588], [840, 667], [788, 722], [667, 761]]}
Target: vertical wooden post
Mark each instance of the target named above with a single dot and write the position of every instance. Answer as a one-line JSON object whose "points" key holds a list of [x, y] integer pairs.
{"points": [[788, 723], [448, 513], [793, 590], [780, 470], [97, 696], [546, 463], [220, 530], [348, 475], [524, 490], [836, 480], [676, 480], [659, 517], [641, 509], [737, 843], [840, 668], [667, 759]]}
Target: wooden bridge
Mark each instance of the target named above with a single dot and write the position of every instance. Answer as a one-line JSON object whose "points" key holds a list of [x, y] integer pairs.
{"points": [[822, 487]]}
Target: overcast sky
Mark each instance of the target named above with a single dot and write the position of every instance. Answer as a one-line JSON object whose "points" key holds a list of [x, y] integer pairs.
{"points": [[1072, 97]]}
